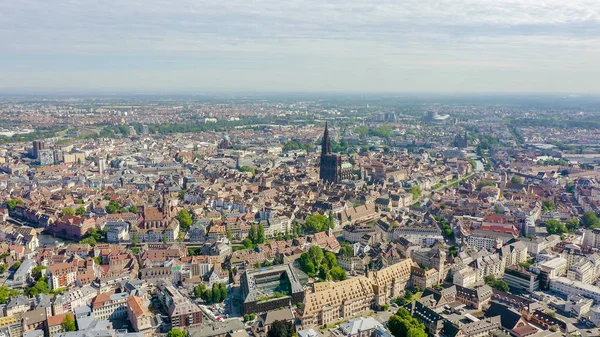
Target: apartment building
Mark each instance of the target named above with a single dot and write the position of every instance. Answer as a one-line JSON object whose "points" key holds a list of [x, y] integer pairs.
{"points": [[107, 307], [566, 286], [61, 275], [330, 302]]}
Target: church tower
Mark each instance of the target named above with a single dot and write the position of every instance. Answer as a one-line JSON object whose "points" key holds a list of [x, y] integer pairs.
{"points": [[331, 164]]}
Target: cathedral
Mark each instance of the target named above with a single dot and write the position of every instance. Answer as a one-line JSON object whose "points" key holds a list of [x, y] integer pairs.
{"points": [[332, 169]]}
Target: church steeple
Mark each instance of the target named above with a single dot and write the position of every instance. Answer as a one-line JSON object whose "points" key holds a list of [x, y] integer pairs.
{"points": [[326, 144]]}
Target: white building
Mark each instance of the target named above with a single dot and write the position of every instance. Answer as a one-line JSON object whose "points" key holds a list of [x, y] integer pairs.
{"points": [[569, 287]]}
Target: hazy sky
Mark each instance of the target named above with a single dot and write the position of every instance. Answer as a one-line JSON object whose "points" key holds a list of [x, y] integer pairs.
{"points": [[307, 45]]}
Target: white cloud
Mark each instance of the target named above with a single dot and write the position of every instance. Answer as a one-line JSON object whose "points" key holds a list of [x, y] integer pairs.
{"points": [[446, 35]]}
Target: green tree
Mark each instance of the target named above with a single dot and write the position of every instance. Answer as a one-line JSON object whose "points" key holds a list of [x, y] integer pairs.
{"points": [[216, 294], [491, 281], [260, 234], [252, 234], [113, 207], [547, 205], [281, 329], [415, 191], [68, 324], [572, 224], [247, 243], [223, 289], [134, 238], [80, 211], [316, 223], [346, 250], [199, 290], [246, 169], [516, 180], [590, 220], [337, 273], [177, 333], [133, 209], [67, 211], [88, 241], [165, 238], [555, 227], [402, 324], [330, 259], [12, 204], [185, 219], [40, 287], [7, 293], [38, 272]]}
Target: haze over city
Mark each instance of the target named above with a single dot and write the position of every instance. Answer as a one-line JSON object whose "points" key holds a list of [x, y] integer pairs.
{"points": [[308, 46]]}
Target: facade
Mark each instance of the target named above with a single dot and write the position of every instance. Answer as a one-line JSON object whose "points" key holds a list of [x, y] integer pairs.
{"points": [[520, 278], [109, 307], [61, 275], [181, 310], [424, 278], [332, 302], [575, 288], [465, 277], [256, 292], [332, 169], [138, 314]]}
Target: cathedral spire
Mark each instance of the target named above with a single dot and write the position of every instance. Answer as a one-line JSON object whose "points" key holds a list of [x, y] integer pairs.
{"points": [[326, 145]]}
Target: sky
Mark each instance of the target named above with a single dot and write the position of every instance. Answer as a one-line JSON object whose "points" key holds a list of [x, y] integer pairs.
{"points": [[448, 46]]}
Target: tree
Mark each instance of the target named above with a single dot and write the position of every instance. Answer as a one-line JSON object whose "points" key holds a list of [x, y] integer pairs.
{"points": [[247, 243], [165, 238], [346, 250], [590, 220], [38, 272], [260, 234], [68, 324], [199, 290], [113, 207], [402, 324], [80, 211], [177, 333], [572, 224], [216, 293], [185, 219], [207, 295], [246, 169], [337, 273], [40, 287], [7, 293], [491, 281], [281, 329], [453, 251], [415, 190], [3, 268], [12, 204], [555, 227], [134, 238], [547, 205], [133, 209], [316, 223], [252, 234], [516, 180], [224, 294], [67, 211], [330, 259]]}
